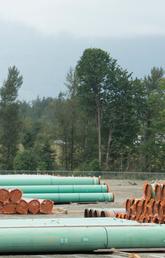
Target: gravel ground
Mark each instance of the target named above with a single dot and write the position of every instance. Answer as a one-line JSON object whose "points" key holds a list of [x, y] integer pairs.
{"points": [[122, 189]]}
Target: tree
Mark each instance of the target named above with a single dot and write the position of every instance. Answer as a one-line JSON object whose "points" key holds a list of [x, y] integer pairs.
{"points": [[72, 114], [120, 115], [45, 157], [92, 71], [9, 117], [26, 160], [153, 125]]}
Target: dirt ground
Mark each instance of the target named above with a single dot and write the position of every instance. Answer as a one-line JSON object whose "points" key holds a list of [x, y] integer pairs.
{"points": [[122, 189]]}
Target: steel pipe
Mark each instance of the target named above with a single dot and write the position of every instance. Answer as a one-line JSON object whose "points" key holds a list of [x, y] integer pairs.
{"points": [[137, 237], [60, 222], [73, 197], [36, 237], [102, 212], [46, 180], [62, 188]]}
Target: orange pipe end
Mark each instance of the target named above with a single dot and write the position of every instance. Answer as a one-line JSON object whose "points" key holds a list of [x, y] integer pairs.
{"points": [[4, 195], [15, 195], [158, 192], [34, 207], [147, 191], [46, 207], [22, 207], [9, 208]]}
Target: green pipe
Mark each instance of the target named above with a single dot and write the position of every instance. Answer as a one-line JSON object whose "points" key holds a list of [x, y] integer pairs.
{"points": [[46, 180], [45, 240], [70, 239], [61, 188], [137, 237], [63, 222], [73, 197]]}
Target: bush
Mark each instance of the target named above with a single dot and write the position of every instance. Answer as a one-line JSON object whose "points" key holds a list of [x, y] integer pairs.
{"points": [[25, 160], [92, 165]]}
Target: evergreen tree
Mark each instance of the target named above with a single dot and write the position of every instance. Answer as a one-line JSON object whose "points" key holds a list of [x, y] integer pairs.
{"points": [[25, 160], [92, 71], [45, 159], [9, 117], [153, 123]]}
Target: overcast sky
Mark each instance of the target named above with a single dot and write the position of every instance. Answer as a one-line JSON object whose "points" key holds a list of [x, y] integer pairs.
{"points": [[45, 37]]}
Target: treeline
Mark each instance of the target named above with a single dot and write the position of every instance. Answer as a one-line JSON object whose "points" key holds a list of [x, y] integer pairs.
{"points": [[105, 120]]}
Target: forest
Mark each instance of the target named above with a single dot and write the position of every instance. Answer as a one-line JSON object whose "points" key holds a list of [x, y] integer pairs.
{"points": [[106, 119]]}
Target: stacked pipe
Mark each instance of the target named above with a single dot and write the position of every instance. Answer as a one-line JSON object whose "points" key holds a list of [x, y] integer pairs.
{"points": [[11, 202], [150, 208], [60, 189], [100, 212]]}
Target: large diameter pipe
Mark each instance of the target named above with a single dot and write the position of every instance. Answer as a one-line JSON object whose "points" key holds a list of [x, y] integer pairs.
{"points": [[71, 239], [40, 240], [136, 237], [62, 188], [46, 180], [73, 197], [63, 222]]}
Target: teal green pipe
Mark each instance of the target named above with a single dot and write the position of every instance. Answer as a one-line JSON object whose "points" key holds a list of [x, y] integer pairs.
{"points": [[137, 237], [62, 188], [36, 239], [46, 180], [63, 222], [73, 197]]}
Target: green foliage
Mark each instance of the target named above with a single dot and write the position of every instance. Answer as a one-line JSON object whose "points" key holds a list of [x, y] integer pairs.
{"points": [[92, 165], [38, 158], [153, 123], [9, 90], [9, 117], [93, 71], [25, 160], [45, 159]]}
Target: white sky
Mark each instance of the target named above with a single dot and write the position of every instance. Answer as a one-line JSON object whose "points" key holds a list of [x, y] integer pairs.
{"points": [[100, 18], [43, 38]]}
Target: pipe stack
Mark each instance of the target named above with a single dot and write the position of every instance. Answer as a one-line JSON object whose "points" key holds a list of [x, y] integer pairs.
{"points": [[11, 202], [59, 189], [150, 208], [106, 212]]}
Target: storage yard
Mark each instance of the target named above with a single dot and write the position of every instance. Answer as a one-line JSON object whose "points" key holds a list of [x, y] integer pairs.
{"points": [[122, 189]]}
